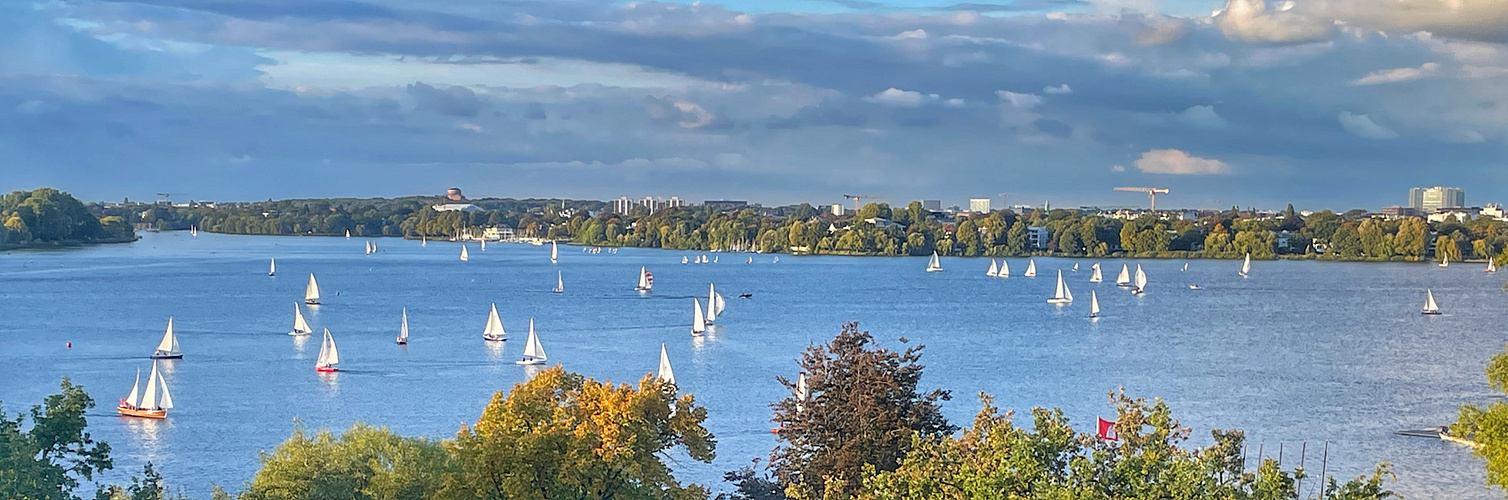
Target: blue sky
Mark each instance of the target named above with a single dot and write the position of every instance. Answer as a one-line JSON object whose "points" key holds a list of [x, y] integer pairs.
{"points": [[1323, 103]]}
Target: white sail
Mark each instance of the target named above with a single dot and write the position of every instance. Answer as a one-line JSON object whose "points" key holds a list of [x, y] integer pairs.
{"points": [[348, 234], [711, 303], [684, 260], [994, 269], [1430, 307], [131, 398], [1185, 266], [311, 292], [300, 326], [423, 241], [1444, 261], [1124, 278], [1492, 267], [1094, 304], [665, 374], [534, 353], [1246, 265], [559, 283], [169, 344], [464, 257], [1096, 277], [1005, 269], [698, 323], [403, 328], [1141, 278], [494, 327], [934, 265], [484, 245], [149, 399], [802, 391], [1061, 295], [555, 253], [272, 267], [328, 354], [1031, 268], [165, 400], [646, 280], [720, 302]]}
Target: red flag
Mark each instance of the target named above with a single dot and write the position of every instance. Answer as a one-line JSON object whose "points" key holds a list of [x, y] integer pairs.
{"points": [[1107, 430]]}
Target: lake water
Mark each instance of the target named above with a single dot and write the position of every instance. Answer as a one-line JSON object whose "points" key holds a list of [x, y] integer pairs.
{"points": [[1300, 352]]}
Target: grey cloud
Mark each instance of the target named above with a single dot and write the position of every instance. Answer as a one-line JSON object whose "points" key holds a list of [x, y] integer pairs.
{"points": [[535, 111], [453, 100]]}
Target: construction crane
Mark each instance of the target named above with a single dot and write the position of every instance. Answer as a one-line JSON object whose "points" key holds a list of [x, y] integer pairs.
{"points": [[858, 197], [168, 197], [1151, 192]]}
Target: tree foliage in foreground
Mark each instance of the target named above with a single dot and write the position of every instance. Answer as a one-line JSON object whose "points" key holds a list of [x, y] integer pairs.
{"points": [[46, 460], [1488, 425]]}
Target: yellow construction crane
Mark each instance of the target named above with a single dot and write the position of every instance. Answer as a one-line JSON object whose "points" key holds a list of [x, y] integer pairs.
{"points": [[1151, 192], [857, 197]]}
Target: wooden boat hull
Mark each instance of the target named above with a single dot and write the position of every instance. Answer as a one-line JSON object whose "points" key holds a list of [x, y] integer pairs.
{"points": [[141, 413], [326, 369]]}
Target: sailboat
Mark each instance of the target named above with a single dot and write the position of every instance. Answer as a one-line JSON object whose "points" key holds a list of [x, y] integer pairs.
{"points": [[534, 354], [152, 404], [715, 304], [698, 323], [665, 374], [1005, 269], [1246, 265], [300, 327], [1123, 279], [1061, 295], [168, 348], [1031, 268], [1444, 261], [272, 267], [934, 265], [683, 259], [559, 283], [484, 245], [776, 260], [1141, 281], [494, 329], [750, 261], [555, 253], [464, 256], [311, 292], [1076, 267], [328, 356], [1094, 305], [348, 234], [646, 280], [1492, 267], [994, 269], [368, 247], [423, 241], [1430, 307], [1185, 266], [194, 231], [714, 259], [1096, 277], [403, 329]]}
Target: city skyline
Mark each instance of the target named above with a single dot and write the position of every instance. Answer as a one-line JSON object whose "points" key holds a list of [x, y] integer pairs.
{"points": [[1256, 104]]}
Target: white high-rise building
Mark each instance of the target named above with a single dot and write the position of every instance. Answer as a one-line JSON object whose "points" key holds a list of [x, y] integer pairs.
{"points": [[979, 204], [1431, 199]]}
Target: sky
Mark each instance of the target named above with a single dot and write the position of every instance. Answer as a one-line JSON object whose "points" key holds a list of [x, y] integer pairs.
{"points": [[1321, 103]]}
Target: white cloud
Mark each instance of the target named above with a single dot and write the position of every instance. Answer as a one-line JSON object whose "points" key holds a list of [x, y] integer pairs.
{"points": [[1362, 126], [1398, 74], [1117, 168], [1177, 162], [1254, 21], [1251, 21], [693, 116], [1019, 101], [916, 34], [1203, 117], [953, 103], [902, 98], [1058, 90]]}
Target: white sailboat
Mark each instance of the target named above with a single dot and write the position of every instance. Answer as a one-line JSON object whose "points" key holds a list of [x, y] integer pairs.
{"points": [[555, 253], [1492, 267], [1430, 307], [155, 403], [311, 292], [698, 322], [300, 326], [534, 354], [750, 261], [272, 267], [367, 246], [494, 330], [1031, 268], [1005, 269], [1246, 265], [1444, 261], [1123, 279], [168, 348], [684, 260], [994, 269], [348, 234], [194, 231], [423, 241], [776, 260], [403, 329], [329, 357], [1096, 277], [646, 280], [1141, 281], [464, 256], [484, 245], [665, 374], [711, 304], [1094, 305], [803, 392], [1185, 266], [934, 265], [559, 283], [1061, 295], [1076, 267]]}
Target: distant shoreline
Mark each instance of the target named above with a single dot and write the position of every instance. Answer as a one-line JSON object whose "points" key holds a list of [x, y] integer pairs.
{"points": [[65, 244]]}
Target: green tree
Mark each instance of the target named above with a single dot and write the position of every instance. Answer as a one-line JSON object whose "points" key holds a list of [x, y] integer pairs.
{"points": [[1410, 239], [862, 411], [1445, 248], [365, 463], [46, 460]]}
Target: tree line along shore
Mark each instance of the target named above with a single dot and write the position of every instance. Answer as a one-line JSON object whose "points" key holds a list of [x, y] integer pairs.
{"points": [[876, 229]]}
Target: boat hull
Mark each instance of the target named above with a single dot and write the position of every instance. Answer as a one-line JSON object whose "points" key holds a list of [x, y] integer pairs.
{"points": [[1059, 301], [529, 362], [934, 270], [299, 334], [1430, 313], [167, 356], [141, 413], [402, 341], [311, 302], [326, 369], [493, 338]]}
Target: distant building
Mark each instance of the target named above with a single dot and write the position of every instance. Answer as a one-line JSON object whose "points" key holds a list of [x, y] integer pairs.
{"points": [[1037, 237], [1428, 200], [456, 207], [979, 205], [1494, 210], [1398, 212], [881, 223], [498, 233], [724, 205], [837, 209], [933, 205], [624, 204], [1461, 214], [453, 195]]}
